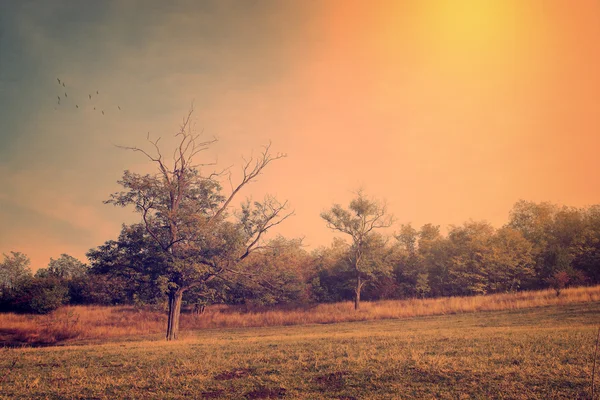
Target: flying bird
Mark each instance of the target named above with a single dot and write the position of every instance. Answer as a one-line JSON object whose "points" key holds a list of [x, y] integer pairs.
{"points": [[58, 80], [90, 96], [94, 108], [96, 92], [119, 107], [102, 112], [63, 84], [66, 95], [58, 99], [76, 106]]}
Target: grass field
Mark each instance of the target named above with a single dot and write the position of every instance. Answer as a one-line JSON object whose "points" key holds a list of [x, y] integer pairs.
{"points": [[536, 353], [72, 324]]}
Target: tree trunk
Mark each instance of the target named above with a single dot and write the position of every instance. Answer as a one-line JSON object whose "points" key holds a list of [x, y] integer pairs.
{"points": [[357, 295], [175, 297]]}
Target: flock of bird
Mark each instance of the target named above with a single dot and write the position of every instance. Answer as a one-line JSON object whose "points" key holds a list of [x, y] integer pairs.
{"points": [[66, 96]]}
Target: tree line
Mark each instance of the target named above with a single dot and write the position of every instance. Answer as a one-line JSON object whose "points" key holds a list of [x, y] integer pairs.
{"points": [[542, 246], [192, 247]]}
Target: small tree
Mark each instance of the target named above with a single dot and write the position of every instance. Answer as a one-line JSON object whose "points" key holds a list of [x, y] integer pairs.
{"points": [[360, 220], [185, 213], [558, 281]]}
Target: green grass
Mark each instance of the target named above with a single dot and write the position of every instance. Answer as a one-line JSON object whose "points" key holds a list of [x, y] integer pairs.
{"points": [[541, 353]]}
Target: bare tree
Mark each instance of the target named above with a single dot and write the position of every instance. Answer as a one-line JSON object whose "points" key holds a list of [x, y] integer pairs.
{"points": [[360, 220], [186, 214]]}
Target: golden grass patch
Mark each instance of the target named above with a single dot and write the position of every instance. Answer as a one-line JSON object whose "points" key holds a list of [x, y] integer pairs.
{"points": [[98, 322]]}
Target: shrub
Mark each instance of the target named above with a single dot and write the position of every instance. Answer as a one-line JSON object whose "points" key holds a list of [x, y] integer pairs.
{"points": [[40, 296]]}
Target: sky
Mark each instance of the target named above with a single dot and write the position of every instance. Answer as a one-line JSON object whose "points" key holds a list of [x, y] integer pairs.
{"points": [[448, 110]]}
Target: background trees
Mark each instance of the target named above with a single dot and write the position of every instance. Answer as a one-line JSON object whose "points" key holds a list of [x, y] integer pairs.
{"points": [[564, 241], [275, 274], [49, 289], [226, 260]]}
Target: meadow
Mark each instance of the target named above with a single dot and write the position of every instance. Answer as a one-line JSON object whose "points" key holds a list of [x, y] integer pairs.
{"points": [[465, 348], [534, 353], [74, 324]]}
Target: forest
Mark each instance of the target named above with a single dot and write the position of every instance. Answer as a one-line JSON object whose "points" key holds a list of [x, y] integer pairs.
{"points": [[542, 245]]}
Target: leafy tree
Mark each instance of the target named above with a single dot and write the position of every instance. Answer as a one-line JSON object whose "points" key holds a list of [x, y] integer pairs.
{"points": [[64, 272], [331, 279], [408, 237], [570, 239], [535, 221], [379, 260], [409, 263], [14, 271], [359, 221], [134, 262], [41, 295], [428, 234], [509, 264], [102, 289], [422, 285], [275, 274], [20, 291], [587, 261], [65, 267], [468, 251], [186, 215], [434, 252]]}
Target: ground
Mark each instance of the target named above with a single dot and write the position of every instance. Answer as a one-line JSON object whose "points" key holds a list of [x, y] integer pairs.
{"points": [[538, 353]]}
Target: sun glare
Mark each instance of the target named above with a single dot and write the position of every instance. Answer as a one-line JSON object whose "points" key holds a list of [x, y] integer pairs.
{"points": [[468, 23]]}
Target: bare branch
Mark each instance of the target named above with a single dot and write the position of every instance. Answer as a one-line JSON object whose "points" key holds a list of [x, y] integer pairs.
{"points": [[138, 149], [252, 246], [249, 174]]}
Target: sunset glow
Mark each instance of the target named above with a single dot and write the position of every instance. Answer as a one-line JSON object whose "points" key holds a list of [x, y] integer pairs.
{"points": [[448, 109]]}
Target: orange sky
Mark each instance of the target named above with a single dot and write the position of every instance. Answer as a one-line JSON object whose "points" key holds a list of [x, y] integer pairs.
{"points": [[449, 110]]}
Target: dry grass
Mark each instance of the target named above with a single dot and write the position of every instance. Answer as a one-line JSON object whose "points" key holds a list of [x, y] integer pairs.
{"points": [[536, 353], [95, 322]]}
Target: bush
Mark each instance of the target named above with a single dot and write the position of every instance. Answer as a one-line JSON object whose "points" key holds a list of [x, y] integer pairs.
{"points": [[48, 297], [40, 296], [99, 289]]}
